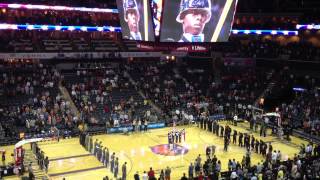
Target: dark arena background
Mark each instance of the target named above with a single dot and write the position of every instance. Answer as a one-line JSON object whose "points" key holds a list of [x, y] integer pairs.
{"points": [[160, 89]]}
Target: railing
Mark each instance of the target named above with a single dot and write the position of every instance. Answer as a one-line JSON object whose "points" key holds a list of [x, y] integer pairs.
{"points": [[130, 127]]}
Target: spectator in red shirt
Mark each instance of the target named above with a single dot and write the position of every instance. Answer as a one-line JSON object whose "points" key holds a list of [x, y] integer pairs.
{"points": [[151, 173], [200, 177]]}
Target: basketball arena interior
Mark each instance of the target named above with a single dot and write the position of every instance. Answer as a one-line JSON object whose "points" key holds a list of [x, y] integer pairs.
{"points": [[160, 89]]}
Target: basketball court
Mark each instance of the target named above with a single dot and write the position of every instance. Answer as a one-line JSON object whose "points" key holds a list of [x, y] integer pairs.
{"points": [[142, 150]]}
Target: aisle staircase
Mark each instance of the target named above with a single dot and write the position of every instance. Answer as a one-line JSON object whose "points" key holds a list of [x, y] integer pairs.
{"points": [[38, 173], [153, 105], [67, 97], [268, 90]]}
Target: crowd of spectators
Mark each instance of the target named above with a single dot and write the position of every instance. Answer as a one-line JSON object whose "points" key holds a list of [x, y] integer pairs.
{"points": [[30, 100], [107, 93], [104, 95], [275, 6], [307, 106], [189, 90], [303, 51], [268, 22], [36, 37], [62, 18], [39, 41], [303, 111], [185, 91], [304, 165], [19, 41], [243, 6]]}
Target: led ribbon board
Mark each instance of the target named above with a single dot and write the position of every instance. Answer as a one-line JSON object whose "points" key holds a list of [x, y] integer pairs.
{"points": [[266, 32], [118, 29], [308, 26], [56, 8]]}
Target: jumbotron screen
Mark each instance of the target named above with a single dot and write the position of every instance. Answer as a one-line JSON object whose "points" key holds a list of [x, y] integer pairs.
{"points": [[136, 20], [197, 20]]}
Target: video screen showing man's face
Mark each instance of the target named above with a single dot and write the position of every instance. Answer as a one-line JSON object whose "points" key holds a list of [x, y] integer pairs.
{"points": [[197, 20], [133, 19], [136, 20], [193, 21]]}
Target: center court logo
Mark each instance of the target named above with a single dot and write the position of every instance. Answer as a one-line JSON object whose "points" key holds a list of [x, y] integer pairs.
{"points": [[163, 149]]}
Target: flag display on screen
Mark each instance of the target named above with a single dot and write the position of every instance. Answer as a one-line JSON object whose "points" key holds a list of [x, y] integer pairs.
{"points": [[156, 6]]}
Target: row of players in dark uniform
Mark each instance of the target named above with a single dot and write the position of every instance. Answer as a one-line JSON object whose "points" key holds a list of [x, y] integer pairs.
{"points": [[244, 139], [102, 153]]}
